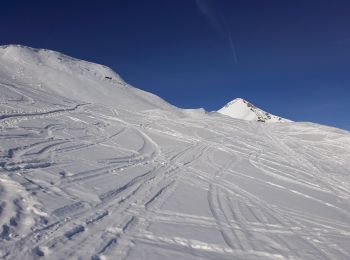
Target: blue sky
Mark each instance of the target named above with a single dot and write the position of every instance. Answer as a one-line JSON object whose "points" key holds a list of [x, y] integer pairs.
{"points": [[290, 57]]}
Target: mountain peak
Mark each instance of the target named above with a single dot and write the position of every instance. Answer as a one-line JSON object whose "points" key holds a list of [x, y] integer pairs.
{"points": [[238, 101], [242, 109]]}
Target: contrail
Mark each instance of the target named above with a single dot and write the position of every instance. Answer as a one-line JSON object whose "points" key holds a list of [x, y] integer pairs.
{"points": [[233, 48], [218, 21], [206, 8]]}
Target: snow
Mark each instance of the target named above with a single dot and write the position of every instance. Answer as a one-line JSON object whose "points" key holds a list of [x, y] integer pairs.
{"points": [[242, 109], [93, 168]]}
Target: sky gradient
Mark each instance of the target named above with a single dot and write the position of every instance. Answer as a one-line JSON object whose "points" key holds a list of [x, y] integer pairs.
{"points": [[290, 58]]}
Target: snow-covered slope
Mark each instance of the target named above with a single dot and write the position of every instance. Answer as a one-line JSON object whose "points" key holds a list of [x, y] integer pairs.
{"points": [[76, 79], [91, 168], [242, 109]]}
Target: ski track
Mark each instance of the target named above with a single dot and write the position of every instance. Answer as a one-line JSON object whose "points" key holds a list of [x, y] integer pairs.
{"points": [[85, 181]]}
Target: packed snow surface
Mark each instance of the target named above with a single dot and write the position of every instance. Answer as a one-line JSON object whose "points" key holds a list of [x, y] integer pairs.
{"points": [[92, 168], [242, 109]]}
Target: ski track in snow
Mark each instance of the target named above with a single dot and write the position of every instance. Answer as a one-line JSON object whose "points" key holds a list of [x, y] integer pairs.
{"points": [[87, 181]]}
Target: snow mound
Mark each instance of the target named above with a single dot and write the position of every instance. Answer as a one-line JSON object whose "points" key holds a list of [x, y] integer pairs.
{"points": [[199, 112], [242, 109]]}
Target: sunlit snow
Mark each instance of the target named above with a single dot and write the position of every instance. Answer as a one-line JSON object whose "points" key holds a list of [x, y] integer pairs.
{"points": [[93, 168]]}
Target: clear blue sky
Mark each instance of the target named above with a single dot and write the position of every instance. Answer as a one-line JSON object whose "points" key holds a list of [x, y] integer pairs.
{"points": [[290, 57]]}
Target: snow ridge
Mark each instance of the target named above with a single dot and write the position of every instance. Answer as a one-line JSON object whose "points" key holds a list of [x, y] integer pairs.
{"points": [[69, 77]]}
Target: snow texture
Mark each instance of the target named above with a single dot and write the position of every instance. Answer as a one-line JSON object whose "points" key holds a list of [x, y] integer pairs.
{"points": [[92, 168]]}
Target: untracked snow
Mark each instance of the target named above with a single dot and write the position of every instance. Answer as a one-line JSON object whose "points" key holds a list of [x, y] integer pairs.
{"points": [[92, 168], [242, 109]]}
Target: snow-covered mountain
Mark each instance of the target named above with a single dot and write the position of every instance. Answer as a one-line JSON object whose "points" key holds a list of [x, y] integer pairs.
{"points": [[242, 109], [93, 168]]}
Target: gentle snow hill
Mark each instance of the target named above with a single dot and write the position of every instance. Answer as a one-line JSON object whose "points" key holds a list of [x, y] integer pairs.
{"points": [[92, 168], [242, 109]]}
